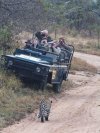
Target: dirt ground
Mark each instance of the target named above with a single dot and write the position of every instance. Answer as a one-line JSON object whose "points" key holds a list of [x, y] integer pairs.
{"points": [[76, 111]]}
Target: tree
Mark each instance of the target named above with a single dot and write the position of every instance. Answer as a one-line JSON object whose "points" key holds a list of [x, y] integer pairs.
{"points": [[5, 38]]}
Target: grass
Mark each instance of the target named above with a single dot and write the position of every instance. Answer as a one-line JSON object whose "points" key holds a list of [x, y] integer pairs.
{"points": [[16, 99], [80, 65], [81, 43]]}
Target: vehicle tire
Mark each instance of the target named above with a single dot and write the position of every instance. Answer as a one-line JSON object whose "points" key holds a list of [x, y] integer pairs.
{"points": [[43, 86], [42, 119], [46, 118], [57, 88]]}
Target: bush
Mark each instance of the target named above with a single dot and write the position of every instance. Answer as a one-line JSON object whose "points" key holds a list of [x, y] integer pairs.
{"points": [[16, 100], [5, 38], [80, 65]]}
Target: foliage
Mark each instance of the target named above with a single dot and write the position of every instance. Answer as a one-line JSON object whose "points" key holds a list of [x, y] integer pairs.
{"points": [[38, 14], [17, 100], [80, 65], [5, 35], [5, 38], [79, 14]]}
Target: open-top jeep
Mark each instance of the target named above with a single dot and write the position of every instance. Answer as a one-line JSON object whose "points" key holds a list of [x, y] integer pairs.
{"points": [[40, 65]]}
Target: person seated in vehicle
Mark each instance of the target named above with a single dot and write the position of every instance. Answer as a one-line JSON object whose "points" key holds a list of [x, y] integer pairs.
{"points": [[28, 44], [43, 39], [44, 44], [41, 34], [35, 43], [46, 35], [54, 48], [62, 44]]}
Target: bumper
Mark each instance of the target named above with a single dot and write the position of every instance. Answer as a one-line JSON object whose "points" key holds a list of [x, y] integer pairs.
{"points": [[28, 73]]}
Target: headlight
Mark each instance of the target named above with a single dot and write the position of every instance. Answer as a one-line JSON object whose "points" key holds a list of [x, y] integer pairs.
{"points": [[54, 72], [38, 69], [10, 63]]}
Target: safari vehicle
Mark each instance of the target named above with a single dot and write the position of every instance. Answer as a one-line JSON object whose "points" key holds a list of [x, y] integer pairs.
{"points": [[40, 65]]}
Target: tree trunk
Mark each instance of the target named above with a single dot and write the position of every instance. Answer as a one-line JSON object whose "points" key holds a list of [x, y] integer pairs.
{"points": [[98, 33]]}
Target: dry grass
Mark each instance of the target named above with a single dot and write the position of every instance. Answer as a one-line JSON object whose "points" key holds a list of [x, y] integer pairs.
{"points": [[16, 100], [80, 65], [77, 39], [89, 51], [83, 44]]}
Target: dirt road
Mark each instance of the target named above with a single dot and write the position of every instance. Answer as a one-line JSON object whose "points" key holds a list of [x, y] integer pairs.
{"points": [[78, 111]]}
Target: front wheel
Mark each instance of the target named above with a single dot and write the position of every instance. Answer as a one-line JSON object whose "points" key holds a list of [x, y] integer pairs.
{"points": [[43, 85], [57, 88]]}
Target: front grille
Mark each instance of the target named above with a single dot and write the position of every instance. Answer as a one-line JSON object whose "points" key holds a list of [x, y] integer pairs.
{"points": [[29, 74], [28, 69], [24, 65]]}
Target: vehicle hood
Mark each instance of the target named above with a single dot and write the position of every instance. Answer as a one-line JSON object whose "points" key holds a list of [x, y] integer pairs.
{"points": [[30, 58]]}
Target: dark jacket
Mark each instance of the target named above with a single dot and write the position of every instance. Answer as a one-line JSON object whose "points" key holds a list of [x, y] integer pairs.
{"points": [[49, 39], [41, 36]]}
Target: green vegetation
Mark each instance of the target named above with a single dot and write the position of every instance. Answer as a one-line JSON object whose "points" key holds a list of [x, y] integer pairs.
{"points": [[81, 42], [16, 100], [78, 18], [79, 22], [72, 14], [5, 38]]}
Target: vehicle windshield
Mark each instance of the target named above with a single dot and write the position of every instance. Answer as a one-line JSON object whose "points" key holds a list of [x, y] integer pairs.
{"points": [[47, 54], [39, 54]]}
